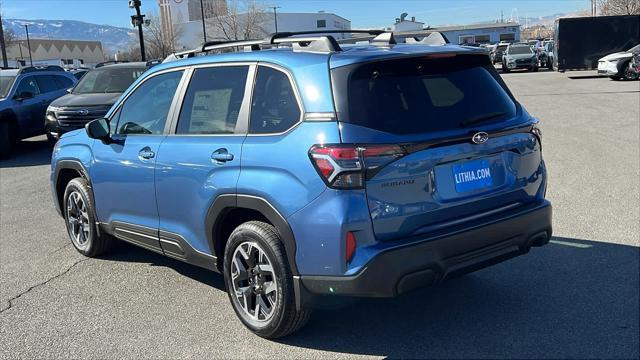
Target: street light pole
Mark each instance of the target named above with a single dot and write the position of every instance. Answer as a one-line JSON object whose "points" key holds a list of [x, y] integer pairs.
{"points": [[138, 20], [26, 27], [204, 28], [275, 16], [3, 46]]}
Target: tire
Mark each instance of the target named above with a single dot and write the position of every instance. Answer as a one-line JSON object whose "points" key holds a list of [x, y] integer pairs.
{"points": [[550, 65], [51, 139], [505, 69], [628, 74], [6, 139], [615, 78], [80, 220], [535, 69], [261, 244]]}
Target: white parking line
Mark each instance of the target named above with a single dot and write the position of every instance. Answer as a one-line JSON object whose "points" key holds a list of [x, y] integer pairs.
{"points": [[566, 243]]}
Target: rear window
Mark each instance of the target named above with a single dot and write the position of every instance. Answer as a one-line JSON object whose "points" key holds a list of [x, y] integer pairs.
{"points": [[421, 95]]}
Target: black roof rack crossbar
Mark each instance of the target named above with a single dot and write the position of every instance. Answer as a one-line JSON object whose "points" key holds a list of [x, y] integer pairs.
{"points": [[287, 34]]}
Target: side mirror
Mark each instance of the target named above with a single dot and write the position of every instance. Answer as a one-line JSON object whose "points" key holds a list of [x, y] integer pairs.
{"points": [[69, 90], [24, 95], [98, 129]]}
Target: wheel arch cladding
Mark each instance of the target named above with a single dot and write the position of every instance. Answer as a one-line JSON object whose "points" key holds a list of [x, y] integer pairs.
{"points": [[66, 170], [230, 210]]}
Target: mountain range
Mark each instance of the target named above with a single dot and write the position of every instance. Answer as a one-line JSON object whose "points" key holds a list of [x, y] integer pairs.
{"points": [[113, 38]]}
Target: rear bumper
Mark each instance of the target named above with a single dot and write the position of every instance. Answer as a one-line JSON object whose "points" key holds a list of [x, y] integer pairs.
{"points": [[432, 260]]}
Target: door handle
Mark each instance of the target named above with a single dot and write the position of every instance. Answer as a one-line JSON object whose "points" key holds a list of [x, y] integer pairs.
{"points": [[146, 153], [221, 156]]}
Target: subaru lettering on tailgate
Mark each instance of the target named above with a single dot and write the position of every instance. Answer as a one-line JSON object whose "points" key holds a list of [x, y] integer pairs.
{"points": [[472, 175]]}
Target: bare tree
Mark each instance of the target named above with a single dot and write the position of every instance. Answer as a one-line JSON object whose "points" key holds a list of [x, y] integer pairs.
{"points": [[159, 42], [243, 20], [618, 7]]}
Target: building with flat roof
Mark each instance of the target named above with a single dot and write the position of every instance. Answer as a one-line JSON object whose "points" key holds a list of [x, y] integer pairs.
{"points": [[191, 32], [487, 33], [481, 33], [65, 53]]}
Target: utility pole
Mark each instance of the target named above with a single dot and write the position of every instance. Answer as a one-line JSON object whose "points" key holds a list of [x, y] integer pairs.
{"points": [[26, 27], [138, 20], [275, 16], [204, 28], [3, 46]]}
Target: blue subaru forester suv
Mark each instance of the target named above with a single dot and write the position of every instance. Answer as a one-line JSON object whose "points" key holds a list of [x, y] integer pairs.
{"points": [[304, 169]]}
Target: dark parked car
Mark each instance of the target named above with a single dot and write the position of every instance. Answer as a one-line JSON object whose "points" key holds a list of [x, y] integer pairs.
{"points": [[497, 52], [24, 97], [519, 56], [91, 98]]}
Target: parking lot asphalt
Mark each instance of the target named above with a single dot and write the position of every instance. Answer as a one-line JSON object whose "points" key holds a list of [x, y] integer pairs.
{"points": [[575, 298]]}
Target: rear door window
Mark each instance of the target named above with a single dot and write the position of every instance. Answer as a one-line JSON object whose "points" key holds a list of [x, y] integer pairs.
{"points": [[274, 108], [64, 82], [422, 95], [47, 83]]}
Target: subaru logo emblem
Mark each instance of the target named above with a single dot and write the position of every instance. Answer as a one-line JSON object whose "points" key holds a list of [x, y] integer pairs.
{"points": [[480, 137], [83, 112]]}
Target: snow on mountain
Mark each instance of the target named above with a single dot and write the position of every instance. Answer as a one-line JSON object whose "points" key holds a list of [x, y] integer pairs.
{"points": [[112, 38]]}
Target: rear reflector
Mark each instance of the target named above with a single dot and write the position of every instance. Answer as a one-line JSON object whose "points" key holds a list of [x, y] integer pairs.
{"points": [[350, 244]]}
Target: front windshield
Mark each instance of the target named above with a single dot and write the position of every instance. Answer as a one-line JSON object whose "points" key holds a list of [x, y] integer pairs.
{"points": [[5, 85], [518, 50], [107, 80]]}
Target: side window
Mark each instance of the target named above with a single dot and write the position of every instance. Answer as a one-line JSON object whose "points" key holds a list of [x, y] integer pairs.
{"points": [[213, 100], [47, 83], [64, 82], [145, 111], [28, 84], [274, 108]]}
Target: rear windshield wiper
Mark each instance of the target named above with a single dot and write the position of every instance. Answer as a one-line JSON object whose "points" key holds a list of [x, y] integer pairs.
{"points": [[482, 118]]}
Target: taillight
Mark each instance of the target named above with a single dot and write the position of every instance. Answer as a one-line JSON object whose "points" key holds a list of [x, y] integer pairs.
{"points": [[348, 166]]}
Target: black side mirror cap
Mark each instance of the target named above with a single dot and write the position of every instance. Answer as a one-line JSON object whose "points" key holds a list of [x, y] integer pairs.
{"points": [[99, 129]]}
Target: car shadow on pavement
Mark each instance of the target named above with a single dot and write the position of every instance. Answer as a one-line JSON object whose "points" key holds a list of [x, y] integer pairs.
{"points": [[32, 152], [571, 298], [130, 253]]}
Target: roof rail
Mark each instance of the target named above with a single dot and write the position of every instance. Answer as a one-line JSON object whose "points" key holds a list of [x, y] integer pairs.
{"points": [[323, 42], [154, 62], [110, 62], [30, 69]]}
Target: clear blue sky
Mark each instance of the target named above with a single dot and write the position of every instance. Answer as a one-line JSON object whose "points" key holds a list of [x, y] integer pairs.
{"points": [[362, 13]]}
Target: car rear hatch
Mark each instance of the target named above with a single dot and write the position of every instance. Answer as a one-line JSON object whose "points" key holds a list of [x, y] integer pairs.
{"points": [[439, 141]]}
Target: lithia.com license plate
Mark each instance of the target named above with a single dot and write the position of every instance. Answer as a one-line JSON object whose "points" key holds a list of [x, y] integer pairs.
{"points": [[472, 175]]}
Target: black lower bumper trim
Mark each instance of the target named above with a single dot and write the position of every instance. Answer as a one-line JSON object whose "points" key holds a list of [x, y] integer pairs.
{"points": [[424, 263]]}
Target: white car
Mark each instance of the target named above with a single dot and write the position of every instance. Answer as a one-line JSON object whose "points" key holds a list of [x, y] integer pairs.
{"points": [[616, 65]]}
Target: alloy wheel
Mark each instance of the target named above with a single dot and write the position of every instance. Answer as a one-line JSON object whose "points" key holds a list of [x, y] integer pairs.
{"points": [[78, 219], [254, 282]]}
